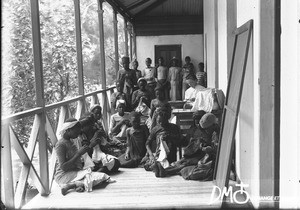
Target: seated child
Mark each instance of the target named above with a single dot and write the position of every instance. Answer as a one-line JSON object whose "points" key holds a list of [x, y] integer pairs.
{"points": [[192, 152], [96, 110], [167, 137], [157, 103], [118, 95], [70, 172], [142, 94], [119, 122], [136, 139], [92, 136]]}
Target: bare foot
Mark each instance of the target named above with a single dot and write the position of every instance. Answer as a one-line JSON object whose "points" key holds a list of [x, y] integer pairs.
{"points": [[66, 187]]}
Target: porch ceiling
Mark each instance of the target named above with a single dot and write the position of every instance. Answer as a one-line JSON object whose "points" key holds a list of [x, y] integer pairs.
{"points": [[159, 17]]}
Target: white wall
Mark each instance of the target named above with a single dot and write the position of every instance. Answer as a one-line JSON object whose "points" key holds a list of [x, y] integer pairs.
{"points": [[290, 114], [191, 45], [252, 151]]}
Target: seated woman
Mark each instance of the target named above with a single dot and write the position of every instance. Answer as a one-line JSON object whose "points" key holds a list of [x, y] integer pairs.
{"points": [[70, 172], [90, 134], [204, 169], [192, 152], [141, 95], [136, 139], [157, 103], [167, 137], [119, 122]]}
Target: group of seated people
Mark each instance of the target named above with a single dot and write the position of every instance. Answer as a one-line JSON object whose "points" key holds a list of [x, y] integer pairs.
{"points": [[84, 159], [87, 154]]}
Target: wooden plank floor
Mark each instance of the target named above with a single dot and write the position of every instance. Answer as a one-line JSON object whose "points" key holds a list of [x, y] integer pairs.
{"points": [[134, 189]]}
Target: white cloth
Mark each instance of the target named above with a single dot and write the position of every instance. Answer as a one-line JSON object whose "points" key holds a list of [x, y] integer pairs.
{"points": [[204, 100], [87, 160], [105, 159], [164, 151], [143, 108], [90, 178]]}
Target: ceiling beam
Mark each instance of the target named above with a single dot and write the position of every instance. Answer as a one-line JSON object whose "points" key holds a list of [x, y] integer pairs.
{"points": [[120, 9], [150, 7], [130, 7]]}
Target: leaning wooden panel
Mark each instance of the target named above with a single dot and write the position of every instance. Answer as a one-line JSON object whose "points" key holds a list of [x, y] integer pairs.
{"points": [[232, 104]]}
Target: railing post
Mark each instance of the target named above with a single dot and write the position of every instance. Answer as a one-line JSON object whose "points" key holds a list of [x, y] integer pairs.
{"points": [[6, 165], [95, 100], [112, 110], [116, 42], [63, 115], [39, 86], [102, 62]]}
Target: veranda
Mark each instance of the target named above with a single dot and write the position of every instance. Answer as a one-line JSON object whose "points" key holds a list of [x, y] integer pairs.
{"points": [[199, 27]]}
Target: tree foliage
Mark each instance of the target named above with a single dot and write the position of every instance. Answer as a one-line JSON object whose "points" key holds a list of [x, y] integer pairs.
{"points": [[58, 43]]}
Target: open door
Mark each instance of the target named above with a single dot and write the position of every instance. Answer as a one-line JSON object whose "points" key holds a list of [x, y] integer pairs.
{"points": [[168, 52]]}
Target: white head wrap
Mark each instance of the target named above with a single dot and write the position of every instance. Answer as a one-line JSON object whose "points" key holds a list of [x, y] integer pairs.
{"points": [[66, 126], [94, 107], [141, 79], [120, 101]]}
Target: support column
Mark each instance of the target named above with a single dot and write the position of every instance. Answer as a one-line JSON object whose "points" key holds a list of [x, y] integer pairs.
{"points": [[130, 40], [79, 47], [116, 63], [126, 37], [40, 102], [102, 61], [81, 105], [269, 86], [134, 56]]}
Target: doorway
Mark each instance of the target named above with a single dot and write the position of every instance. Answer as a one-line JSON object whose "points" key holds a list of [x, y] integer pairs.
{"points": [[168, 52]]}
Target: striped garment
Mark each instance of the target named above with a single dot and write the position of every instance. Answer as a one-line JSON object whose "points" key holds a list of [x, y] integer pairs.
{"points": [[202, 78]]}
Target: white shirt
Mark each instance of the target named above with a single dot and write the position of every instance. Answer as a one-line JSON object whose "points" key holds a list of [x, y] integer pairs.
{"points": [[191, 92], [115, 118]]}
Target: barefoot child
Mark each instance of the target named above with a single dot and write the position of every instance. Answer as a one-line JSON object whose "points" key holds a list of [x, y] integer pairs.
{"points": [[136, 139], [91, 135], [167, 137], [156, 104]]}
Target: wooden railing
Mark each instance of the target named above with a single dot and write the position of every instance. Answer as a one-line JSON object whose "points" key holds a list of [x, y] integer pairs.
{"points": [[41, 131]]}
